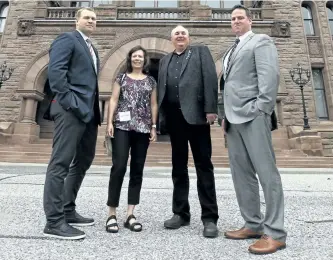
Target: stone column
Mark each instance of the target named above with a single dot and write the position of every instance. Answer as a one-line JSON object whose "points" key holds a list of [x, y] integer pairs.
{"points": [[200, 13], [26, 129]]}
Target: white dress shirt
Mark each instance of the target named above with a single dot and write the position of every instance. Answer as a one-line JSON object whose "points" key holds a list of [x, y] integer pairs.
{"points": [[241, 38]]}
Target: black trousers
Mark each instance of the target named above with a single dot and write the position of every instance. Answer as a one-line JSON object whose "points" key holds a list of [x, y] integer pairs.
{"points": [[74, 145], [122, 142], [199, 138]]}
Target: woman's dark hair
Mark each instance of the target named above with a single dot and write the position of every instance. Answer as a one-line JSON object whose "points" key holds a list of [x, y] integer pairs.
{"points": [[145, 68]]}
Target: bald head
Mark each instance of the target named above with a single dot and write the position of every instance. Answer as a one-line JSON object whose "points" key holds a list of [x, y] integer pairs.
{"points": [[180, 38], [178, 29]]}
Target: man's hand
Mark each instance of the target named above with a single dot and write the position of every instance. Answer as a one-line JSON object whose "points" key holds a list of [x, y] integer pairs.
{"points": [[211, 118]]}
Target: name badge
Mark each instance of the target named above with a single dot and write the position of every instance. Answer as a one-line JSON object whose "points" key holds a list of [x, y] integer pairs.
{"points": [[124, 116]]}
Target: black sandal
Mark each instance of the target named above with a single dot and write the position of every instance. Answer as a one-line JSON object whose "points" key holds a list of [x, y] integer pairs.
{"points": [[132, 226], [109, 227]]}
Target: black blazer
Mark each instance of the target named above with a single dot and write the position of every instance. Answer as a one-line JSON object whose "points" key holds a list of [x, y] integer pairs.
{"points": [[73, 78], [226, 123], [197, 84]]}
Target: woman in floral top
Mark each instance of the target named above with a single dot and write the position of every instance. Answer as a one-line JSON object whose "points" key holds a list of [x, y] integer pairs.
{"points": [[131, 125]]}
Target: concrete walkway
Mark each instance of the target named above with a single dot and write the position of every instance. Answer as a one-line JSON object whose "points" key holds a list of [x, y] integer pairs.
{"points": [[309, 218]]}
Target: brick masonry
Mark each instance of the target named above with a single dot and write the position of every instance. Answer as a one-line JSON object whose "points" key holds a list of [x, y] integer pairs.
{"points": [[21, 52]]}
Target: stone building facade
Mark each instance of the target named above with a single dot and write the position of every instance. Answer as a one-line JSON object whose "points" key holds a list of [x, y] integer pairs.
{"points": [[302, 32]]}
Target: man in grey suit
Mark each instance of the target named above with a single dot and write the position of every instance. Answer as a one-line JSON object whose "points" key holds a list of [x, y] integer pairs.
{"points": [[187, 99], [251, 80], [72, 73]]}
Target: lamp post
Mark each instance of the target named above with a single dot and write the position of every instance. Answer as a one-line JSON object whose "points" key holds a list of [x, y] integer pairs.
{"points": [[3, 76], [301, 77]]}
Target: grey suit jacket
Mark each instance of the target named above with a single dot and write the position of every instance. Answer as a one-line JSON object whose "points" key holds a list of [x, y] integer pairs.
{"points": [[73, 78], [252, 79], [197, 85]]}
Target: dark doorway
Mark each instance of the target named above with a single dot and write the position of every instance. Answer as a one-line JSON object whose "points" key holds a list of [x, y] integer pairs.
{"points": [[153, 70], [46, 126]]}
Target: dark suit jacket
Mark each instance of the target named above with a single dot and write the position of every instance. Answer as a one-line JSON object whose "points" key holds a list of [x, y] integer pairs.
{"points": [[73, 78], [197, 85], [226, 123]]}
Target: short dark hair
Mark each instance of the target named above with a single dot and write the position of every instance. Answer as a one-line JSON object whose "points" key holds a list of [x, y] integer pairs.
{"points": [[247, 10], [78, 13], [145, 68]]}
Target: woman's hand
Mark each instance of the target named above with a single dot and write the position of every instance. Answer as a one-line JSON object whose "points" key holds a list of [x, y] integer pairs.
{"points": [[153, 135], [110, 130]]}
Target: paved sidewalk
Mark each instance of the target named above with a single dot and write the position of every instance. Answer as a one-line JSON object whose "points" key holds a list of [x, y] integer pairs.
{"points": [[309, 218]]}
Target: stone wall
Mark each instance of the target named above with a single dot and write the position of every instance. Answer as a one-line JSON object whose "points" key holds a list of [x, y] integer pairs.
{"points": [[22, 51]]}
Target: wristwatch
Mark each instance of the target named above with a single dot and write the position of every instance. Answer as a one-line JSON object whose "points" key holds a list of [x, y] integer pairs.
{"points": [[153, 126]]}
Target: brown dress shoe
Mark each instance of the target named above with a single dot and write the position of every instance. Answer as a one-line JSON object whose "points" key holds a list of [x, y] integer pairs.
{"points": [[266, 245], [243, 233]]}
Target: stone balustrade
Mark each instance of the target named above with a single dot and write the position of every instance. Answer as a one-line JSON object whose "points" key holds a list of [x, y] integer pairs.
{"points": [[129, 13], [133, 13], [220, 14]]}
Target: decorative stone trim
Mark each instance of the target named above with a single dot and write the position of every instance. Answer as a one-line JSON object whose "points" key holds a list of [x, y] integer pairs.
{"points": [[281, 29], [25, 27], [31, 94]]}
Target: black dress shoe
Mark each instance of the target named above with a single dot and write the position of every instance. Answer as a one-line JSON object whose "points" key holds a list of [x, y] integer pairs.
{"points": [[176, 222], [64, 231], [210, 230], [75, 219]]}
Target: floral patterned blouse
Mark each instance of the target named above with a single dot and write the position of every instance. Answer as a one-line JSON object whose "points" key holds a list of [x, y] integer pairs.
{"points": [[135, 97]]}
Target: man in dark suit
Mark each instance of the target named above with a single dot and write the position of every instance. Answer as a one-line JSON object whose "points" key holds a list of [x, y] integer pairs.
{"points": [[187, 98], [72, 73]]}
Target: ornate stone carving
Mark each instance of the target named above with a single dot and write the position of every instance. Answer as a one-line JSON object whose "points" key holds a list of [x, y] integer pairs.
{"points": [[314, 46], [25, 27], [255, 4], [281, 29], [289, 99]]}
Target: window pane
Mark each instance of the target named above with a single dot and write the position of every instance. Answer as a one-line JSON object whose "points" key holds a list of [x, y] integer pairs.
{"points": [[4, 11], [306, 12], [80, 4], [211, 3], [100, 2], [331, 26], [230, 3], [320, 98], [321, 108], [308, 27], [318, 79], [329, 13], [167, 3], [2, 25], [147, 3], [3, 15]]}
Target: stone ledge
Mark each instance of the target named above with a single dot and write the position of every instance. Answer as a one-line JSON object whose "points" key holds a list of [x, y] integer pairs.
{"points": [[6, 132], [308, 141]]}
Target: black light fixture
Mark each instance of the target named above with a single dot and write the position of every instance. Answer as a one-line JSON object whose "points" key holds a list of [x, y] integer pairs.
{"points": [[5, 70], [301, 77]]}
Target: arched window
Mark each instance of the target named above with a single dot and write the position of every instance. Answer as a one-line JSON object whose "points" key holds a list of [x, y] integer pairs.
{"points": [[3, 16], [308, 20], [329, 7]]}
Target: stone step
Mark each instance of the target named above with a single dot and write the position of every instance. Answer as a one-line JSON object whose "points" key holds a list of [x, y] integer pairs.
{"points": [[168, 163]]}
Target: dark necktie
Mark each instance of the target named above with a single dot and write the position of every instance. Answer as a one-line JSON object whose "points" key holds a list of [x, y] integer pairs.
{"points": [[232, 51]]}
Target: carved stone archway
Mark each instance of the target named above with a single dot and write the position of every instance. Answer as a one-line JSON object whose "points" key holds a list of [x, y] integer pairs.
{"points": [[116, 58], [31, 88]]}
